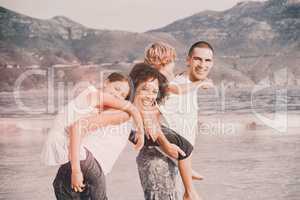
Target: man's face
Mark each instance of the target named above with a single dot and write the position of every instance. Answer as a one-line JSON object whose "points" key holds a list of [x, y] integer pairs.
{"points": [[200, 63]]}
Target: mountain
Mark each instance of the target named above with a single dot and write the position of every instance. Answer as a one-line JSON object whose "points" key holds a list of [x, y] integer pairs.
{"points": [[256, 38], [252, 41], [249, 28], [28, 41]]}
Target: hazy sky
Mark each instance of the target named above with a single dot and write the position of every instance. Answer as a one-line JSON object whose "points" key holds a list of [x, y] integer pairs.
{"points": [[131, 15]]}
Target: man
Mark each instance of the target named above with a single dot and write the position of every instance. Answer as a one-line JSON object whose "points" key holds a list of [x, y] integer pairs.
{"points": [[181, 110]]}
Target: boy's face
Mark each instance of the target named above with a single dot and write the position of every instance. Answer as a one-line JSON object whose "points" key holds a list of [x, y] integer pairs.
{"points": [[119, 89], [170, 66]]}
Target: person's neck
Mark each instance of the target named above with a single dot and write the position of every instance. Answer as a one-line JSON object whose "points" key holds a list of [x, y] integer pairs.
{"points": [[189, 73]]}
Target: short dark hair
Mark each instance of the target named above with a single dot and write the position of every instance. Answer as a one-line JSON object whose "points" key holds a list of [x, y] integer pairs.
{"points": [[114, 77], [200, 44], [142, 72]]}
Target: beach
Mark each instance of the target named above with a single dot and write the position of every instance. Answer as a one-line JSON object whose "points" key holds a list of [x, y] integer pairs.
{"points": [[246, 163]]}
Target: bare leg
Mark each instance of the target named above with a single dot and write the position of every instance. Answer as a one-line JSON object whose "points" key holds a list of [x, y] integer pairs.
{"points": [[185, 170], [196, 175]]}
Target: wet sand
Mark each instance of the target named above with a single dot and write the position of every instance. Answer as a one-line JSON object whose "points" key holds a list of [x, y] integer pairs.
{"points": [[247, 163]]}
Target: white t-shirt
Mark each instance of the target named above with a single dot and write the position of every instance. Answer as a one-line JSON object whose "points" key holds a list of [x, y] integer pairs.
{"points": [[56, 148], [107, 143], [180, 112]]}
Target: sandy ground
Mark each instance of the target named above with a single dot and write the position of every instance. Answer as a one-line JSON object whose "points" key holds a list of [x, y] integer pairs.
{"points": [[239, 157]]}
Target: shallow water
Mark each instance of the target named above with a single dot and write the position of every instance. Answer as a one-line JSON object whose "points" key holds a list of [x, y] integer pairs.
{"points": [[251, 165], [35, 103], [259, 164]]}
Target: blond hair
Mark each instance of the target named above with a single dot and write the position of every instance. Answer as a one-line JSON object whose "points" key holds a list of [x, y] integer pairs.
{"points": [[159, 54]]}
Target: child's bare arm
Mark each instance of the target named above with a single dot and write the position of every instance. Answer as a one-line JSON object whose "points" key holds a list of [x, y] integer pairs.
{"points": [[100, 99]]}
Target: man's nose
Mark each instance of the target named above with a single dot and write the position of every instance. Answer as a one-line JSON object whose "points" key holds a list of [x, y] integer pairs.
{"points": [[204, 65]]}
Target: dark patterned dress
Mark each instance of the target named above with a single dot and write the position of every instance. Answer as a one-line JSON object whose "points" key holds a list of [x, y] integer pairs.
{"points": [[158, 175]]}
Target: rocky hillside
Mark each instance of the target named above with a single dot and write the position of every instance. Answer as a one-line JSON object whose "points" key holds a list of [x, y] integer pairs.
{"points": [[255, 38], [249, 28], [253, 41], [28, 41]]}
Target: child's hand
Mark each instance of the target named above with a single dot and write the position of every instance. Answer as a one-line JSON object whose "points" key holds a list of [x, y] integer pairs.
{"points": [[173, 151], [77, 181]]}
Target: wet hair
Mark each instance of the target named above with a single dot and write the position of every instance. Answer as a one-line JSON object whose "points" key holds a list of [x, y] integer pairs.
{"points": [[142, 72], [200, 44], [159, 54], [114, 77]]}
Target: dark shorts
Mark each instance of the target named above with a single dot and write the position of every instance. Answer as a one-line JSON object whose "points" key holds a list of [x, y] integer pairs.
{"points": [[94, 180], [173, 138]]}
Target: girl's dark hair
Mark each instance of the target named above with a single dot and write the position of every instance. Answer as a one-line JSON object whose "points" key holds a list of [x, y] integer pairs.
{"points": [[114, 77], [142, 72]]}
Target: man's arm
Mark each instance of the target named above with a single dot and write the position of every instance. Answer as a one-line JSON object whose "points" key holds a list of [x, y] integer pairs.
{"points": [[76, 173], [82, 127], [185, 88]]}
